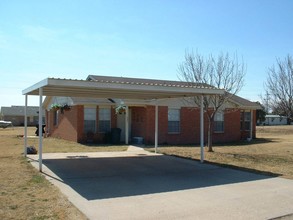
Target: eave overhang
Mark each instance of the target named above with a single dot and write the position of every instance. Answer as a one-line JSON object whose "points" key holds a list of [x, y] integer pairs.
{"points": [[116, 89]]}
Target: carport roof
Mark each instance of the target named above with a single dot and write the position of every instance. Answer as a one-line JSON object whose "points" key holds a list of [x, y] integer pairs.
{"points": [[119, 87]]}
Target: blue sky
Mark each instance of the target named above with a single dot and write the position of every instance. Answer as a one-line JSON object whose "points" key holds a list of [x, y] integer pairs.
{"points": [[146, 39]]}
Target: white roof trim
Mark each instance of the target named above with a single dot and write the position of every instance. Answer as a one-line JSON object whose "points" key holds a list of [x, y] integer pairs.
{"points": [[112, 89], [35, 86]]}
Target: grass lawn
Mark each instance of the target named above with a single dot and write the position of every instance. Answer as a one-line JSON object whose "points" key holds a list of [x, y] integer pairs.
{"points": [[271, 152], [24, 193]]}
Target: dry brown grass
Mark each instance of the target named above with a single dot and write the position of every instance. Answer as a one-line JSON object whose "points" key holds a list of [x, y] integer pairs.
{"points": [[24, 193], [271, 152]]}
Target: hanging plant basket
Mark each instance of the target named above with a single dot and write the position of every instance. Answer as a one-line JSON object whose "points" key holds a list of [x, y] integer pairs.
{"points": [[120, 109], [63, 108], [55, 107]]}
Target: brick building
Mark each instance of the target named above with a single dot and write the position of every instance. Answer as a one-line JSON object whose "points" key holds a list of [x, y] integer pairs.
{"points": [[15, 114], [93, 119]]}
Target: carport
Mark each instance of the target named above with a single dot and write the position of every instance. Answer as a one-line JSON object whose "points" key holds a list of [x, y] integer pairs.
{"points": [[121, 89]]}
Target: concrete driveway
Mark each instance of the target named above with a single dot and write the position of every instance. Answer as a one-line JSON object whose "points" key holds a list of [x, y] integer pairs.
{"points": [[140, 185]]}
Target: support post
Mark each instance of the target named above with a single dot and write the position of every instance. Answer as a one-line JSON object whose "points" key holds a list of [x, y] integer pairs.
{"points": [[156, 126], [126, 125], [25, 128], [201, 130], [40, 129]]}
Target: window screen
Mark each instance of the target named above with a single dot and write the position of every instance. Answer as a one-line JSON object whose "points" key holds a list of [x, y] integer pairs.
{"points": [[104, 120], [90, 120], [219, 122], [173, 120]]}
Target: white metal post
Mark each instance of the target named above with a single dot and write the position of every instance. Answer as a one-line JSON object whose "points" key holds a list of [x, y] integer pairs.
{"points": [[201, 131], [47, 123], [156, 126], [25, 128], [40, 129], [126, 124]]}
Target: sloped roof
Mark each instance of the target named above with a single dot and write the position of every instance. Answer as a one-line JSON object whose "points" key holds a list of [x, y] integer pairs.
{"points": [[19, 111], [167, 83], [119, 87], [244, 103], [151, 82]]}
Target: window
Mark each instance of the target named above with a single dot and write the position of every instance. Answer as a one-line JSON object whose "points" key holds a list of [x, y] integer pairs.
{"points": [[219, 122], [104, 120], [55, 118], [245, 121], [89, 120], [173, 120]]}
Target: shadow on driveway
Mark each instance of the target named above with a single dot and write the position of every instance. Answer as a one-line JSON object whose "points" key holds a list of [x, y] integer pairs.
{"points": [[112, 177]]}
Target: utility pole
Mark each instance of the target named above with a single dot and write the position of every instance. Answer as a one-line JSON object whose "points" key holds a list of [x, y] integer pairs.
{"points": [[267, 102]]}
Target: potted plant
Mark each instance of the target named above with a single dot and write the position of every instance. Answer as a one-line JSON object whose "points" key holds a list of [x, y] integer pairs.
{"points": [[55, 107], [120, 109], [65, 108]]}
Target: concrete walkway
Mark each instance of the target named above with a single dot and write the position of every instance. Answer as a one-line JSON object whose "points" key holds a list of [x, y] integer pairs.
{"points": [[136, 184]]}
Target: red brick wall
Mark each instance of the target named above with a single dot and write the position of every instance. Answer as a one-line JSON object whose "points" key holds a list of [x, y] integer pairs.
{"points": [[70, 126], [80, 117], [189, 129], [150, 124], [67, 126], [138, 121], [231, 127], [113, 118], [190, 126]]}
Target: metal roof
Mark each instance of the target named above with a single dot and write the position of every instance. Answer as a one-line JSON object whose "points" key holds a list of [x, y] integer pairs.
{"points": [[141, 81], [119, 87], [244, 103]]}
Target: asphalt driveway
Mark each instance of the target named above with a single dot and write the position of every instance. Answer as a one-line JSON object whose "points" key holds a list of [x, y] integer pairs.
{"points": [[140, 185]]}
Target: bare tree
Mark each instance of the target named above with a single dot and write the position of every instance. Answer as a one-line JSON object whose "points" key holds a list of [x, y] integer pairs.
{"points": [[279, 86], [223, 72]]}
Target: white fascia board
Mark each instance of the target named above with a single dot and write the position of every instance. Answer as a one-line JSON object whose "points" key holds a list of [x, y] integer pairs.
{"points": [[132, 86], [52, 85], [35, 87]]}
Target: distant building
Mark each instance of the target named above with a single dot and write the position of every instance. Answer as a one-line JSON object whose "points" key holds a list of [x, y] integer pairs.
{"points": [[15, 114], [275, 120]]}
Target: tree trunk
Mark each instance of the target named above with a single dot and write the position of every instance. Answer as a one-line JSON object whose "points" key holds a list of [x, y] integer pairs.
{"points": [[210, 136]]}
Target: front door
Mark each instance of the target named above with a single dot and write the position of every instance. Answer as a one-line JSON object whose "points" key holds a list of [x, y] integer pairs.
{"points": [[121, 125]]}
